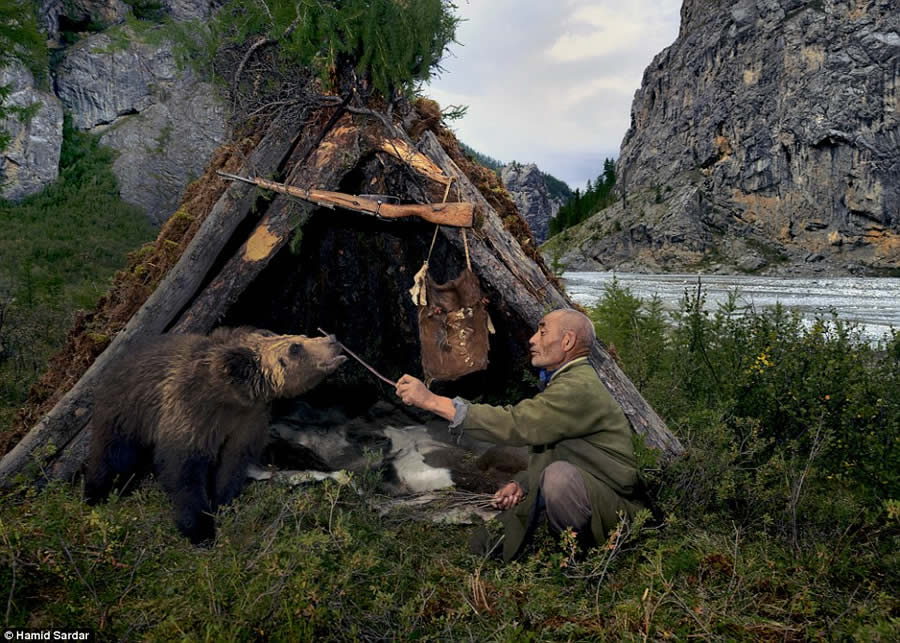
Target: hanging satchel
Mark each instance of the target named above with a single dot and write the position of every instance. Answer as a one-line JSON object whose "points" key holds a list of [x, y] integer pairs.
{"points": [[453, 323]]}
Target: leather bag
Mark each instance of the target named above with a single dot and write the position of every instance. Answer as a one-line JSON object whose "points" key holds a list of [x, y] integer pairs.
{"points": [[453, 328]]}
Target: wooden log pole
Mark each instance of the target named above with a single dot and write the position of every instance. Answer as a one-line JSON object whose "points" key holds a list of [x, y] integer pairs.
{"points": [[274, 230], [70, 415]]}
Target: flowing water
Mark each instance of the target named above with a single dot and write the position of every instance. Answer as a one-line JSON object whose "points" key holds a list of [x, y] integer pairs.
{"points": [[873, 304]]}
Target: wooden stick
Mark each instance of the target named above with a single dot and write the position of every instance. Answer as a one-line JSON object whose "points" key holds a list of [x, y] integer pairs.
{"points": [[359, 359]]}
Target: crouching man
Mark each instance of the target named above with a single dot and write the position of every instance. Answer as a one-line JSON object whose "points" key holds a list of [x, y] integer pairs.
{"points": [[581, 470]]}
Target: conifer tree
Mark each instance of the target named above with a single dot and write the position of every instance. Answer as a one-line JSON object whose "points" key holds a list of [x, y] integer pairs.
{"points": [[393, 45], [596, 196]]}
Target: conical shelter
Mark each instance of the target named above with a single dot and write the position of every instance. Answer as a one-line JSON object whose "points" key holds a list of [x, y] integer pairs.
{"points": [[234, 254]]}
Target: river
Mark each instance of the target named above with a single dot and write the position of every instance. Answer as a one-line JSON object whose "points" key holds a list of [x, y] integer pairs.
{"points": [[874, 304]]}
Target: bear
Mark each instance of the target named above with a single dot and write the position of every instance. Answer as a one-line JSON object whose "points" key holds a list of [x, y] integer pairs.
{"points": [[194, 410]]}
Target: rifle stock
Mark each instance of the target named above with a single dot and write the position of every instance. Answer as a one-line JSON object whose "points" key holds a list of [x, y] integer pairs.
{"points": [[458, 215]]}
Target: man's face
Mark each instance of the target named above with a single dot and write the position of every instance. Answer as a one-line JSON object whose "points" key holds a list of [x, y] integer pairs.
{"points": [[547, 344]]}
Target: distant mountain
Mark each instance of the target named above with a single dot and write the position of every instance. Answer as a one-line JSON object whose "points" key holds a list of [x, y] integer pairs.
{"points": [[538, 195], [764, 139], [529, 189]]}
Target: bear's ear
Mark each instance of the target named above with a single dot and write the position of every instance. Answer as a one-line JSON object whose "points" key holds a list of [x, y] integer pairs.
{"points": [[241, 367]]}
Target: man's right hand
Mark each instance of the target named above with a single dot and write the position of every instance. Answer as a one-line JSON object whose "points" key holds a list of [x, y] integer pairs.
{"points": [[508, 496]]}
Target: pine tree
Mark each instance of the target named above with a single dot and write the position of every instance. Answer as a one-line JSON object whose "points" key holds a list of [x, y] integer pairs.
{"points": [[597, 195]]}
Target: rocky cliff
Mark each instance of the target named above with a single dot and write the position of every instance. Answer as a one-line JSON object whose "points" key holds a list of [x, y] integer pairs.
{"points": [[31, 160], [124, 85], [529, 191], [164, 122], [765, 139]]}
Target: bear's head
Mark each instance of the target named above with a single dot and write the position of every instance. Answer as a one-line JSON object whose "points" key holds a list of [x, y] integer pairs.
{"points": [[276, 366]]}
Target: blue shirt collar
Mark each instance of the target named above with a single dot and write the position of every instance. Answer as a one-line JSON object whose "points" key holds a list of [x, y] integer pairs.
{"points": [[544, 375]]}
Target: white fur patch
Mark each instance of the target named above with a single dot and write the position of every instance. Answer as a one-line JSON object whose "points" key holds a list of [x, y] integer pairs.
{"points": [[409, 446]]}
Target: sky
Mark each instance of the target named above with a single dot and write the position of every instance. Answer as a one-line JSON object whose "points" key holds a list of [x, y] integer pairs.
{"points": [[551, 81]]}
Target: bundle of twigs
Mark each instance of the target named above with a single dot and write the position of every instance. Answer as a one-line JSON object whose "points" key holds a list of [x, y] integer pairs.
{"points": [[450, 499]]}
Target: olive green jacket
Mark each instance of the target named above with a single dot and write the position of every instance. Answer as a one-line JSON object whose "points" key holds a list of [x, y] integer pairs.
{"points": [[575, 419]]}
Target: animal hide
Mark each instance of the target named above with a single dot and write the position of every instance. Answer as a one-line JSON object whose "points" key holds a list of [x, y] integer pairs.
{"points": [[453, 328]]}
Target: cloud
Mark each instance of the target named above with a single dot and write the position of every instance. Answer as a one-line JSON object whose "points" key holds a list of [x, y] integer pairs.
{"points": [[552, 82], [604, 28]]}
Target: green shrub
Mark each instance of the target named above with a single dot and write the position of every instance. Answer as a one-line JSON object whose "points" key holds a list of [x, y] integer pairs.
{"points": [[394, 44], [774, 413], [148, 10]]}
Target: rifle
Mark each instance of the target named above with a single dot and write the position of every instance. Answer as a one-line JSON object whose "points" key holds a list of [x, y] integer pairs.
{"points": [[458, 215]]}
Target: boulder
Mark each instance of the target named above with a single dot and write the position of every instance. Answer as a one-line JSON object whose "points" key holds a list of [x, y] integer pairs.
{"points": [[31, 160]]}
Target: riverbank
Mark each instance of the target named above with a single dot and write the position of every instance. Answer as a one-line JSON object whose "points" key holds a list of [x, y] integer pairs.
{"points": [[871, 303]]}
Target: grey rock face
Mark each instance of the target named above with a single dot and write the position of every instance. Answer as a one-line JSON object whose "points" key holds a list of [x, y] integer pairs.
{"points": [[165, 123], [188, 9], [165, 147], [56, 15], [784, 117], [31, 160], [100, 80], [529, 191]]}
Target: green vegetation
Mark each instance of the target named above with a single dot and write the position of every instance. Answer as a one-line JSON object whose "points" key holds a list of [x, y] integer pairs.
{"points": [[482, 159], [596, 196], [21, 40], [148, 10], [782, 521], [60, 248], [395, 45], [558, 189], [776, 393]]}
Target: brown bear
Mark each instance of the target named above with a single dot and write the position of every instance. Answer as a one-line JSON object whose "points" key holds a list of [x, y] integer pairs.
{"points": [[194, 409]]}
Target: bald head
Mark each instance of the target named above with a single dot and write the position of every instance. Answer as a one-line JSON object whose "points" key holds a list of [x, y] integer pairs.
{"points": [[561, 336], [576, 322]]}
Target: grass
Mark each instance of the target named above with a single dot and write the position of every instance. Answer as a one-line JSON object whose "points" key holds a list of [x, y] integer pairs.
{"points": [[314, 562], [768, 533]]}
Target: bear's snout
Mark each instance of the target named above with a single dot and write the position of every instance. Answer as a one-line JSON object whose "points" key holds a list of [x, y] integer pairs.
{"points": [[333, 357]]}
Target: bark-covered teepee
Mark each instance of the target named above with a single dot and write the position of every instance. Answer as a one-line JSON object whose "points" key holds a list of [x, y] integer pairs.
{"points": [[292, 266], [234, 255]]}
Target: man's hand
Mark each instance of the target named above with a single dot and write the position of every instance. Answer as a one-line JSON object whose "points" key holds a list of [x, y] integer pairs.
{"points": [[508, 496], [413, 392]]}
